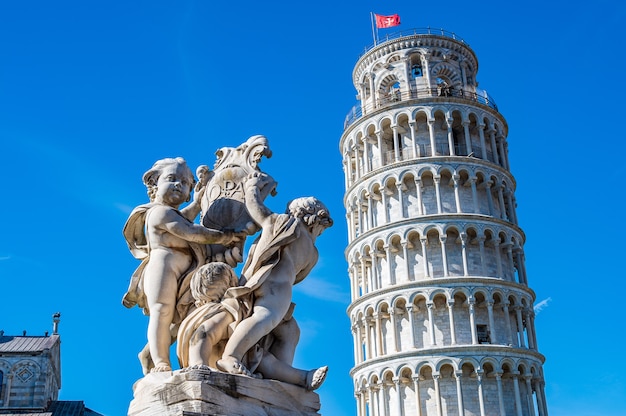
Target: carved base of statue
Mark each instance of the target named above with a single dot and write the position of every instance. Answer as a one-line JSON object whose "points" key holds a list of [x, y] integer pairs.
{"points": [[204, 392]]}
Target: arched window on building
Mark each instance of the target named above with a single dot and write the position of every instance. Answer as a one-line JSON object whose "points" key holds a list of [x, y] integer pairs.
{"points": [[1, 384]]}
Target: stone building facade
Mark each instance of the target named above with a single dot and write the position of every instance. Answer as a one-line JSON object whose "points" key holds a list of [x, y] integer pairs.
{"points": [[442, 314], [30, 376]]}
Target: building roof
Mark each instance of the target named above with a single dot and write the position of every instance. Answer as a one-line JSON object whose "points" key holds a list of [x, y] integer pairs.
{"points": [[59, 408], [27, 343]]}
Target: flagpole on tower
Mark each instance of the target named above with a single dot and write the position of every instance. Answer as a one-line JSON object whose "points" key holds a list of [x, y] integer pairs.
{"points": [[373, 33]]}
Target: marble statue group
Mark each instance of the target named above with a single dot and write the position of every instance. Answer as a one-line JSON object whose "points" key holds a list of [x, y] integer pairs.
{"points": [[187, 283]]}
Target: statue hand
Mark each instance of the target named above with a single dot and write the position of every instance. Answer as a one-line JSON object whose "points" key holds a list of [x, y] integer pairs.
{"points": [[199, 192], [261, 181]]}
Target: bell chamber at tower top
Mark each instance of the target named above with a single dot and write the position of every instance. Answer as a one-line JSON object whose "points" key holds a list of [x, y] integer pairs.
{"points": [[415, 65]]}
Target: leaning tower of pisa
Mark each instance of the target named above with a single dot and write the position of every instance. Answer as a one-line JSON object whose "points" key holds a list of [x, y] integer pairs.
{"points": [[441, 311]]}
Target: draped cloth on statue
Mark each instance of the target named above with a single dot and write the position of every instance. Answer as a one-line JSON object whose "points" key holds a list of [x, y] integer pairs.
{"points": [[135, 235], [266, 252], [196, 318]]}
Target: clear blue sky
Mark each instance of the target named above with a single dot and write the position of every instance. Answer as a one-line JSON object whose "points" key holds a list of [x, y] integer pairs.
{"points": [[93, 92]]}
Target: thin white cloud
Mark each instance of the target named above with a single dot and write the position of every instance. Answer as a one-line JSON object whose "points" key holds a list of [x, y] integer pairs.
{"points": [[321, 289], [541, 305], [3, 258]]}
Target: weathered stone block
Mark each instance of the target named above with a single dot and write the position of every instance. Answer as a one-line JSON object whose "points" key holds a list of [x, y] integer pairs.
{"points": [[205, 392]]}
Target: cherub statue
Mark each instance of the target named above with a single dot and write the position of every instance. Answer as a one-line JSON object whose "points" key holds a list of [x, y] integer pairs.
{"points": [[204, 331], [170, 246], [282, 256]]}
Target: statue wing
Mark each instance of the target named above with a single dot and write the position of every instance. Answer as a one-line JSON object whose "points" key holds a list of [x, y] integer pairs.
{"points": [[135, 232]]}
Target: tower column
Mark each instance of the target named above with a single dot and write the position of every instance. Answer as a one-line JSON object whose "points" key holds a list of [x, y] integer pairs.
{"points": [[530, 333], [483, 260], [451, 319], [410, 311], [541, 402], [468, 138], [367, 167], [368, 337], [396, 143], [492, 325], [370, 214], [413, 141], [400, 187], [359, 331], [379, 335], [450, 136], [500, 394], [492, 209], [397, 382], [405, 253], [509, 255], [418, 191], [463, 236], [496, 247], [505, 160], [481, 394], [357, 164], [481, 133], [520, 327], [459, 392], [437, 180], [394, 327], [384, 195], [423, 241], [365, 283], [381, 153], [392, 280], [470, 303], [375, 274], [518, 399], [418, 405], [382, 399], [431, 323], [438, 395], [347, 163], [372, 91], [361, 402], [472, 181], [457, 197], [529, 396], [509, 334], [444, 254], [431, 132], [492, 140], [501, 202]]}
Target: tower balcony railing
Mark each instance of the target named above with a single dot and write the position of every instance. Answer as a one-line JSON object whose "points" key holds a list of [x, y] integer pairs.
{"points": [[395, 96], [412, 32], [421, 150]]}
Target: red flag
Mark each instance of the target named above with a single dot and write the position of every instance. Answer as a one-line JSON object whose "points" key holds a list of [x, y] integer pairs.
{"points": [[387, 21]]}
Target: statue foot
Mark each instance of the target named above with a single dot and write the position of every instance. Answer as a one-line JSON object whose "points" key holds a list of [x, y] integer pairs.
{"points": [[201, 367], [315, 378], [233, 366], [145, 360], [161, 369]]}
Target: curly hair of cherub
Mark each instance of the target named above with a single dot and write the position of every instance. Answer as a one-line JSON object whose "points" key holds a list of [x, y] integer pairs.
{"points": [[310, 210], [210, 281], [151, 177]]}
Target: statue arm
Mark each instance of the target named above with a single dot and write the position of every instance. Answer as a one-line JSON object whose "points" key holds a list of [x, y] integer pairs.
{"points": [[192, 210], [173, 222], [256, 187]]}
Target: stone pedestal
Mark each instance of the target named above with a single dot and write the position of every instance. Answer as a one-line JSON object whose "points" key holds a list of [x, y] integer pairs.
{"points": [[205, 392]]}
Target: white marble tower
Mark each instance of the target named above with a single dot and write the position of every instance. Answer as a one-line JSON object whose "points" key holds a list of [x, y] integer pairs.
{"points": [[441, 312]]}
